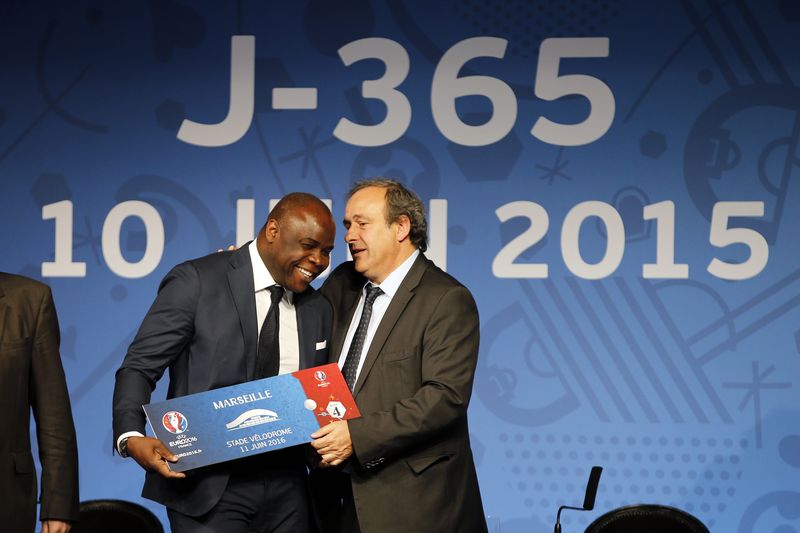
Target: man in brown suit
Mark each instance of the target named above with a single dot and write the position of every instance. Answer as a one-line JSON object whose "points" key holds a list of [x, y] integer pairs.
{"points": [[31, 376], [405, 334]]}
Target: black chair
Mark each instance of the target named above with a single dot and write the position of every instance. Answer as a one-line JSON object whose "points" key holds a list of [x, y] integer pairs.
{"points": [[116, 516], [646, 518]]}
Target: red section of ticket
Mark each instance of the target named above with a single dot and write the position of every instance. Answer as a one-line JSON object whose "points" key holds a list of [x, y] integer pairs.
{"points": [[326, 388]]}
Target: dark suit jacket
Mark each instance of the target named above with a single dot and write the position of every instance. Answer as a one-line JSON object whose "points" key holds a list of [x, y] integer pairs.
{"points": [[203, 327], [412, 468], [31, 376]]}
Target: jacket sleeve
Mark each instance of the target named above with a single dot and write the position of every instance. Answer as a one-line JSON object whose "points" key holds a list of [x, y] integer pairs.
{"points": [[164, 333], [55, 430]]}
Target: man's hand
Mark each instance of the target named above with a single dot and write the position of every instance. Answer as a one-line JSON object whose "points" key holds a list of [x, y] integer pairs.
{"points": [[55, 526], [152, 455], [333, 443]]}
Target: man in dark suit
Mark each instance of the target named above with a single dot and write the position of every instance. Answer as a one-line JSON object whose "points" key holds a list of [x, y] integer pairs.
{"points": [[204, 326], [406, 337], [31, 376]]}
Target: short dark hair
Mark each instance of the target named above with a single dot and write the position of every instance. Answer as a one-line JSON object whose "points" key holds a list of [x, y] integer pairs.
{"points": [[400, 201]]}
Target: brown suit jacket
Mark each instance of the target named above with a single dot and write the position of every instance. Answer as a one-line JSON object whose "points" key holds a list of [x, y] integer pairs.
{"points": [[412, 468], [31, 376]]}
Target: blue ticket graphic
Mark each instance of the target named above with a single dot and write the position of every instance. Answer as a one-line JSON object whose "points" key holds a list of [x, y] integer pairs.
{"points": [[250, 418]]}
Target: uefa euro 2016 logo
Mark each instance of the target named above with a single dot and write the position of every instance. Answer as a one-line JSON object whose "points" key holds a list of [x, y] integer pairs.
{"points": [[320, 375], [174, 422]]}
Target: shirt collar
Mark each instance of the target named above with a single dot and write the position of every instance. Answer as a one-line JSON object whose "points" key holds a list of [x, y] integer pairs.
{"points": [[261, 276], [393, 280]]}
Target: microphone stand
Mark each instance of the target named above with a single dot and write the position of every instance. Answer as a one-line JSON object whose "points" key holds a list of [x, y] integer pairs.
{"points": [[588, 500]]}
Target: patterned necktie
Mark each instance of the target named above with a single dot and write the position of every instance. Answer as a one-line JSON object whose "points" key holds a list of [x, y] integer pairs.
{"points": [[350, 368], [268, 361]]}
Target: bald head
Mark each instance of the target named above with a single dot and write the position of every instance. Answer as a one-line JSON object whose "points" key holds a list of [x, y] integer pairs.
{"points": [[297, 239], [296, 202]]}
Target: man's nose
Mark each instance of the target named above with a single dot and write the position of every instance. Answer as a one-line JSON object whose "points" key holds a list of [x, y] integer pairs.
{"points": [[321, 259]]}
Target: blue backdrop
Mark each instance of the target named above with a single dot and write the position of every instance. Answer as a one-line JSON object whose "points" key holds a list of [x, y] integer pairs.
{"points": [[615, 181]]}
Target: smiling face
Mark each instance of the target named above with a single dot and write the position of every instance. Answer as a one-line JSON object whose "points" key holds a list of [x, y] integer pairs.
{"points": [[377, 247], [296, 246]]}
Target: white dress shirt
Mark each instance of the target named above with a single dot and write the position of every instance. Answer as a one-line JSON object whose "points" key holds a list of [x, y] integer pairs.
{"points": [[379, 307]]}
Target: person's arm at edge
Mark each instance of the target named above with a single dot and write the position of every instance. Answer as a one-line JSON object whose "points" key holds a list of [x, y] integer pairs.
{"points": [[55, 430]]}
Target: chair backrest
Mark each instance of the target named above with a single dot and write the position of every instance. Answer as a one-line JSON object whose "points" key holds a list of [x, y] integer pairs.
{"points": [[117, 516], [647, 518]]}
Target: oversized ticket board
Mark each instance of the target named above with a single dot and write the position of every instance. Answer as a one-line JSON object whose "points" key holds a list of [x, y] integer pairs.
{"points": [[250, 418]]}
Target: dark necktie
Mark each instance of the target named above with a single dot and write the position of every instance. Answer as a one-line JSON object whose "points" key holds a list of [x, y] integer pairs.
{"points": [[268, 361], [350, 368]]}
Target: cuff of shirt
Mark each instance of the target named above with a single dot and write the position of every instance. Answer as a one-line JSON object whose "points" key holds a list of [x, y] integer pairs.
{"points": [[125, 436]]}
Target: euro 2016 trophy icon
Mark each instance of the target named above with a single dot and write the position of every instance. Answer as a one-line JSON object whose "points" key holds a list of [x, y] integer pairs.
{"points": [[174, 422]]}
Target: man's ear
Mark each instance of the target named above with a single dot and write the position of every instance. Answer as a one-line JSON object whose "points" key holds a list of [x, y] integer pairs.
{"points": [[403, 224], [271, 230]]}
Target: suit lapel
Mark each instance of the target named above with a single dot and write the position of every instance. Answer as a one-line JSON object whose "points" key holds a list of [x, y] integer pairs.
{"points": [[3, 306], [401, 298], [307, 321], [303, 319], [240, 280], [347, 309]]}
